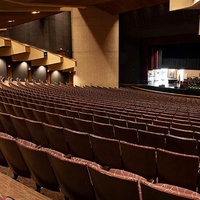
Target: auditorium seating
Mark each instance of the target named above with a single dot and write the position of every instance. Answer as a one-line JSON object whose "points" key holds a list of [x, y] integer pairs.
{"points": [[152, 139], [140, 160], [79, 144], [157, 129], [28, 112], [67, 122], [114, 184], [177, 169], [181, 145], [72, 175], [103, 130], [109, 133], [84, 125], [126, 134], [13, 156], [20, 127], [181, 132], [166, 191], [53, 118], [56, 138], [37, 161], [7, 125], [18, 111], [106, 151], [36, 130]]}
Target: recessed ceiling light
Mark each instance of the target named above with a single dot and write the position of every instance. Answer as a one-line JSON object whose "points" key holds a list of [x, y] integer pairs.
{"points": [[35, 12], [3, 29], [11, 21]]}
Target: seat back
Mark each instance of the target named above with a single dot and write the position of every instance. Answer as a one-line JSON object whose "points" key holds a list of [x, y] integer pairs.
{"points": [[28, 112], [181, 132], [7, 124], [1, 126], [2, 108], [103, 130], [84, 125], [118, 122], [56, 138], [126, 134], [53, 119], [13, 155], [79, 144], [177, 169], [18, 111], [72, 113], [162, 123], [138, 159], [38, 164], [181, 145], [40, 115], [152, 139], [108, 185], [196, 128], [9, 109], [106, 151], [181, 126], [137, 125], [37, 133], [157, 129], [86, 116], [143, 120], [20, 127], [72, 175], [60, 111], [101, 119], [67, 122]]}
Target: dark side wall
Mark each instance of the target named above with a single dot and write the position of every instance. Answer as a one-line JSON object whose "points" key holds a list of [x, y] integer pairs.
{"points": [[50, 33], [129, 60], [155, 26]]}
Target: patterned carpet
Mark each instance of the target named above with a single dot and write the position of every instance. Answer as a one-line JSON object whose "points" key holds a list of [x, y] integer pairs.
{"points": [[30, 183]]}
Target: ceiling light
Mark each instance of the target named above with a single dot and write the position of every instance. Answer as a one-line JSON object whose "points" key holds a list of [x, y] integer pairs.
{"points": [[3, 29], [11, 21], [35, 12]]}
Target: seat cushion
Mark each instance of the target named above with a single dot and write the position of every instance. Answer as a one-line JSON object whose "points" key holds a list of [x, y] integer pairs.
{"points": [[125, 174], [174, 190]]}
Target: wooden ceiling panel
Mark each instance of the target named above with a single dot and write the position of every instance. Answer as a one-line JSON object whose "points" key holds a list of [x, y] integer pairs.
{"points": [[20, 10], [19, 18], [121, 6], [70, 2]]}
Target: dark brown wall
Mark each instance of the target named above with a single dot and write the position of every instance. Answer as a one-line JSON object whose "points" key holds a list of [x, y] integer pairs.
{"points": [[51, 33]]}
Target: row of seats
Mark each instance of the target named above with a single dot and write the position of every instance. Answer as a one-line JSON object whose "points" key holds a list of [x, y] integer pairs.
{"points": [[186, 113], [82, 179], [141, 160], [104, 117], [86, 122], [136, 111], [77, 101], [37, 132]]}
